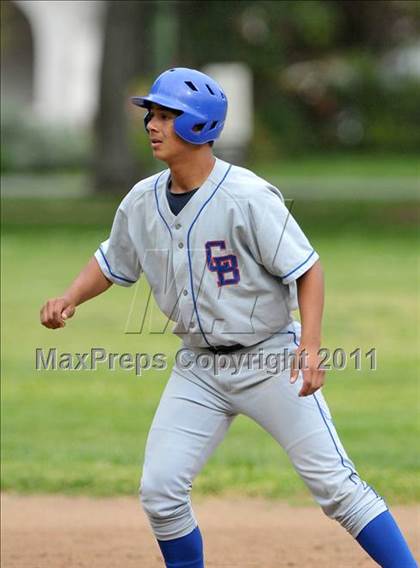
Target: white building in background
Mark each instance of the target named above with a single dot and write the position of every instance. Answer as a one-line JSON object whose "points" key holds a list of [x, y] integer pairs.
{"points": [[236, 79], [62, 56]]}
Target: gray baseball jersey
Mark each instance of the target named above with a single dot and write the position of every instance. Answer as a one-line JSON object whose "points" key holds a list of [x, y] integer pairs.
{"points": [[224, 268]]}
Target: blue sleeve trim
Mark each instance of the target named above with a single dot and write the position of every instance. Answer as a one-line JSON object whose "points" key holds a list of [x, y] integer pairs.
{"points": [[297, 267], [112, 273]]}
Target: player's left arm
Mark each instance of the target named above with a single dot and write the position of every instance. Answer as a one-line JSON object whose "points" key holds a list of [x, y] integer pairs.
{"points": [[310, 289]]}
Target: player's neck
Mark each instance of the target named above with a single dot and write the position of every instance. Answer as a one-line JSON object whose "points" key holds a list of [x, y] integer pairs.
{"points": [[188, 174]]}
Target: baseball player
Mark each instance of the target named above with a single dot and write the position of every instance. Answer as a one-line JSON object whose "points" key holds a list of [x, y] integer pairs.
{"points": [[227, 264]]}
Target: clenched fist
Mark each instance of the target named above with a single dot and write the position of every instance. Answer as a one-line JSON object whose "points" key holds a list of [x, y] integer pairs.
{"points": [[55, 311], [89, 283]]}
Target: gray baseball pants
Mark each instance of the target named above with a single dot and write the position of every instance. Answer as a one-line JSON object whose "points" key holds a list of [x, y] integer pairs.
{"points": [[195, 412]]}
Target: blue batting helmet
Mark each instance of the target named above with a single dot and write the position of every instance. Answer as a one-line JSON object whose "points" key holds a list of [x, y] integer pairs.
{"points": [[199, 99]]}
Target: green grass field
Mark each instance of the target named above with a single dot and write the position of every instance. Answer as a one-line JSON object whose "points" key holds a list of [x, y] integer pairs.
{"points": [[344, 176], [84, 432]]}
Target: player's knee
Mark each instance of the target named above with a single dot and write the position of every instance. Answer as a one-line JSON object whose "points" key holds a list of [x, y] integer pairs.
{"points": [[151, 494], [336, 510], [161, 494], [340, 498], [351, 503]]}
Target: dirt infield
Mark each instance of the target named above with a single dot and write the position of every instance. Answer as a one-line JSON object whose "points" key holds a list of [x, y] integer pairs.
{"points": [[64, 532]]}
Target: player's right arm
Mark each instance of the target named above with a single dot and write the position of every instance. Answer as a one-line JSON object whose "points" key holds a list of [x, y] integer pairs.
{"points": [[89, 283]]}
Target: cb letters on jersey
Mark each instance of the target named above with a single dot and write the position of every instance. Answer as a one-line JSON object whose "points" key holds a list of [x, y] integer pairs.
{"points": [[226, 266]]}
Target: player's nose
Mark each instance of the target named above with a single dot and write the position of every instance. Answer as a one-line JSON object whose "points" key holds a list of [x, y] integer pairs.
{"points": [[153, 132], [152, 124]]}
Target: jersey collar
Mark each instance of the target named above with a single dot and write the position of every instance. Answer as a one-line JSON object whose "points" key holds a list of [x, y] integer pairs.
{"points": [[197, 200]]}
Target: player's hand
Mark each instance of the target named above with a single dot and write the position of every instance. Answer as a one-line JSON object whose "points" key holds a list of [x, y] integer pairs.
{"points": [[56, 311], [308, 361]]}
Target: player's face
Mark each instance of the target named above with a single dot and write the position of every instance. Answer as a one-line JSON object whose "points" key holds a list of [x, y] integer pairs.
{"points": [[165, 143]]}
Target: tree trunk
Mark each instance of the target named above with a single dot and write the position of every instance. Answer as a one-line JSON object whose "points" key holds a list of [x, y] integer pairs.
{"points": [[127, 53]]}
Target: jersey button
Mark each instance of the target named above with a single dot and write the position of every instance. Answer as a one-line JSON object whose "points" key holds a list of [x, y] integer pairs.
{"points": [[180, 245], [192, 325], [185, 292], [178, 226]]}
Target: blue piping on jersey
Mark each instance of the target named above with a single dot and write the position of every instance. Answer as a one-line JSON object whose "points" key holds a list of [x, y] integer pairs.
{"points": [[157, 204], [189, 254], [112, 273], [297, 267]]}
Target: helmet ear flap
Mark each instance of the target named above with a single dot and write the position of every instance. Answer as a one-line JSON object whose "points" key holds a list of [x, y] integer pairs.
{"points": [[196, 129]]}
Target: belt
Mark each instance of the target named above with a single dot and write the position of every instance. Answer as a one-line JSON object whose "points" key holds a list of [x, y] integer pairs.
{"points": [[230, 348], [216, 349]]}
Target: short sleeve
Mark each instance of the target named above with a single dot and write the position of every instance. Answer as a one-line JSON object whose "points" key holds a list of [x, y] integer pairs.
{"points": [[277, 240], [117, 256]]}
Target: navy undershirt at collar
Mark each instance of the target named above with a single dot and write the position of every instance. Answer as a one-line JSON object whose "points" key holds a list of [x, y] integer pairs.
{"points": [[177, 201]]}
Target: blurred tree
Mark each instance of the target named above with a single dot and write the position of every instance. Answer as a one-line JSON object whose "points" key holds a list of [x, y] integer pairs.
{"points": [[165, 34], [268, 36], [328, 75], [128, 52], [16, 44], [317, 67]]}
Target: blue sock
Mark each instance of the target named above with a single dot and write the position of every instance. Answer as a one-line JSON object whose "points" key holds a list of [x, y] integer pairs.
{"points": [[383, 541], [183, 552]]}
